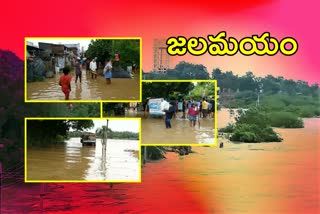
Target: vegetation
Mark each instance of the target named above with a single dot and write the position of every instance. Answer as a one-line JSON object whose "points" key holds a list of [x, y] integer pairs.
{"points": [[177, 90], [47, 132], [129, 51], [285, 120], [154, 152], [110, 134], [302, 106], [65, 110], [252, 126], [182, 71], [165, 90], [12, 109], [202, 89]]}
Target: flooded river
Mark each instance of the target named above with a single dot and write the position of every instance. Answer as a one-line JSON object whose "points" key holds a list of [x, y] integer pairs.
{"points": [[264, 178], [72, 161], [89, 89]]}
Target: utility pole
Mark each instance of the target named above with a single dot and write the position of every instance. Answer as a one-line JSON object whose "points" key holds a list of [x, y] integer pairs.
{"points": [[104, 141]]}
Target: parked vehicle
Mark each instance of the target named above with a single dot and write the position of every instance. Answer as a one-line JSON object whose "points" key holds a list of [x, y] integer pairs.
{"points": [[88, 139]]}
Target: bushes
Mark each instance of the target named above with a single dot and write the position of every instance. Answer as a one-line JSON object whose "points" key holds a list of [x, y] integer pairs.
{"points": [[285, 120], [251, 133], [252, 126], [302, 106]]}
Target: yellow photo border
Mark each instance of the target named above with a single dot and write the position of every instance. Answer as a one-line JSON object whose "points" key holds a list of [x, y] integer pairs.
{"points": [[78, 38], [215, 139], [79, 181]]}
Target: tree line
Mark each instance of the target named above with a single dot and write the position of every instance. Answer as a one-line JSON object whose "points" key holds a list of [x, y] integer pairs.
{"points": [[228, 80], [46, 132], [110, 134]]}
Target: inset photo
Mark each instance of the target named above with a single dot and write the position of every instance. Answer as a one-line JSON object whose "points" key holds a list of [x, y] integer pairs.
{"points": [[82, 69], [82, 150], [178, 112]]}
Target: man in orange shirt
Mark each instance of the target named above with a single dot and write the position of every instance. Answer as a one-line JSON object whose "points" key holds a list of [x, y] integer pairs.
{"points": [[65, 81]]}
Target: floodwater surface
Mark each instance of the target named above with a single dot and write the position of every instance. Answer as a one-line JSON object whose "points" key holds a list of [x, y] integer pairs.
{"points": [[88, 89], [72, 161], [264, 178], [154, 131]]}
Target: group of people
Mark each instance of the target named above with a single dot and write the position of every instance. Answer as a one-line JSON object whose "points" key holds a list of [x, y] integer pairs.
{"points": [[65, 79], [195, 111]]}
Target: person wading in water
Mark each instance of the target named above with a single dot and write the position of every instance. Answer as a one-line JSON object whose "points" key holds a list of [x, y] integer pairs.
{"points": [[168, 115], [65, 81], [78, 70], [192, 114], [93, 68], [108, 72]]}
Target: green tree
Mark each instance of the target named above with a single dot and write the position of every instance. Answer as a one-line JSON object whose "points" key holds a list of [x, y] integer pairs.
{"points": [[129, 51], [103, 49], [45, 132], [165, 89], [100, 48]]}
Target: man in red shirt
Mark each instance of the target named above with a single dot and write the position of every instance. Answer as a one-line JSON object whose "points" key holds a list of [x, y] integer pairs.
{"points": [[65, 81]]}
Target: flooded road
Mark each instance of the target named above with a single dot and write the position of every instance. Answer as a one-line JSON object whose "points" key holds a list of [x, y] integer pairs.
{"points": [[154, 131], [72, 161], [89, 89]]}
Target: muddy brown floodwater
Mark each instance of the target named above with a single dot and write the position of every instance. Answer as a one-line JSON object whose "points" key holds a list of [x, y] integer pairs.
{"points": [[264, 178], [89, 89], [72, 161], [154, 131]]}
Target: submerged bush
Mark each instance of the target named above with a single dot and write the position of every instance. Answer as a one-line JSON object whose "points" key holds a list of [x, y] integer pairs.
{"points": [[285, 120], [251, 133]]}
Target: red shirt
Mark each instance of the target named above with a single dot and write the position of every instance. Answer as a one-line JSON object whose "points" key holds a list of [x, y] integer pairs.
{"points": [[65, 82], [192, 112]]}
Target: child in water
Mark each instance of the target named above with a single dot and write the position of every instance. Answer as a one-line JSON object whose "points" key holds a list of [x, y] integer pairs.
{"points": [[193, 111], [65, 81]]}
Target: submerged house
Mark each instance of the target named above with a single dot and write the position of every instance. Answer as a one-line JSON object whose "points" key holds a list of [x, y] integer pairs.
{"points": [[56, 51], [62, 54]]}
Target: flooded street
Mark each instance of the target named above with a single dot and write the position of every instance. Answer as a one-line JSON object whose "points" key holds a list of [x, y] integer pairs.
{"points": [[154, 131], [73, 161], [89, 89]]}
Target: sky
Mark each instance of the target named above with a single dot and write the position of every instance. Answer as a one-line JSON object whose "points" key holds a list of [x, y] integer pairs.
{"points": [[117, 125]]}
